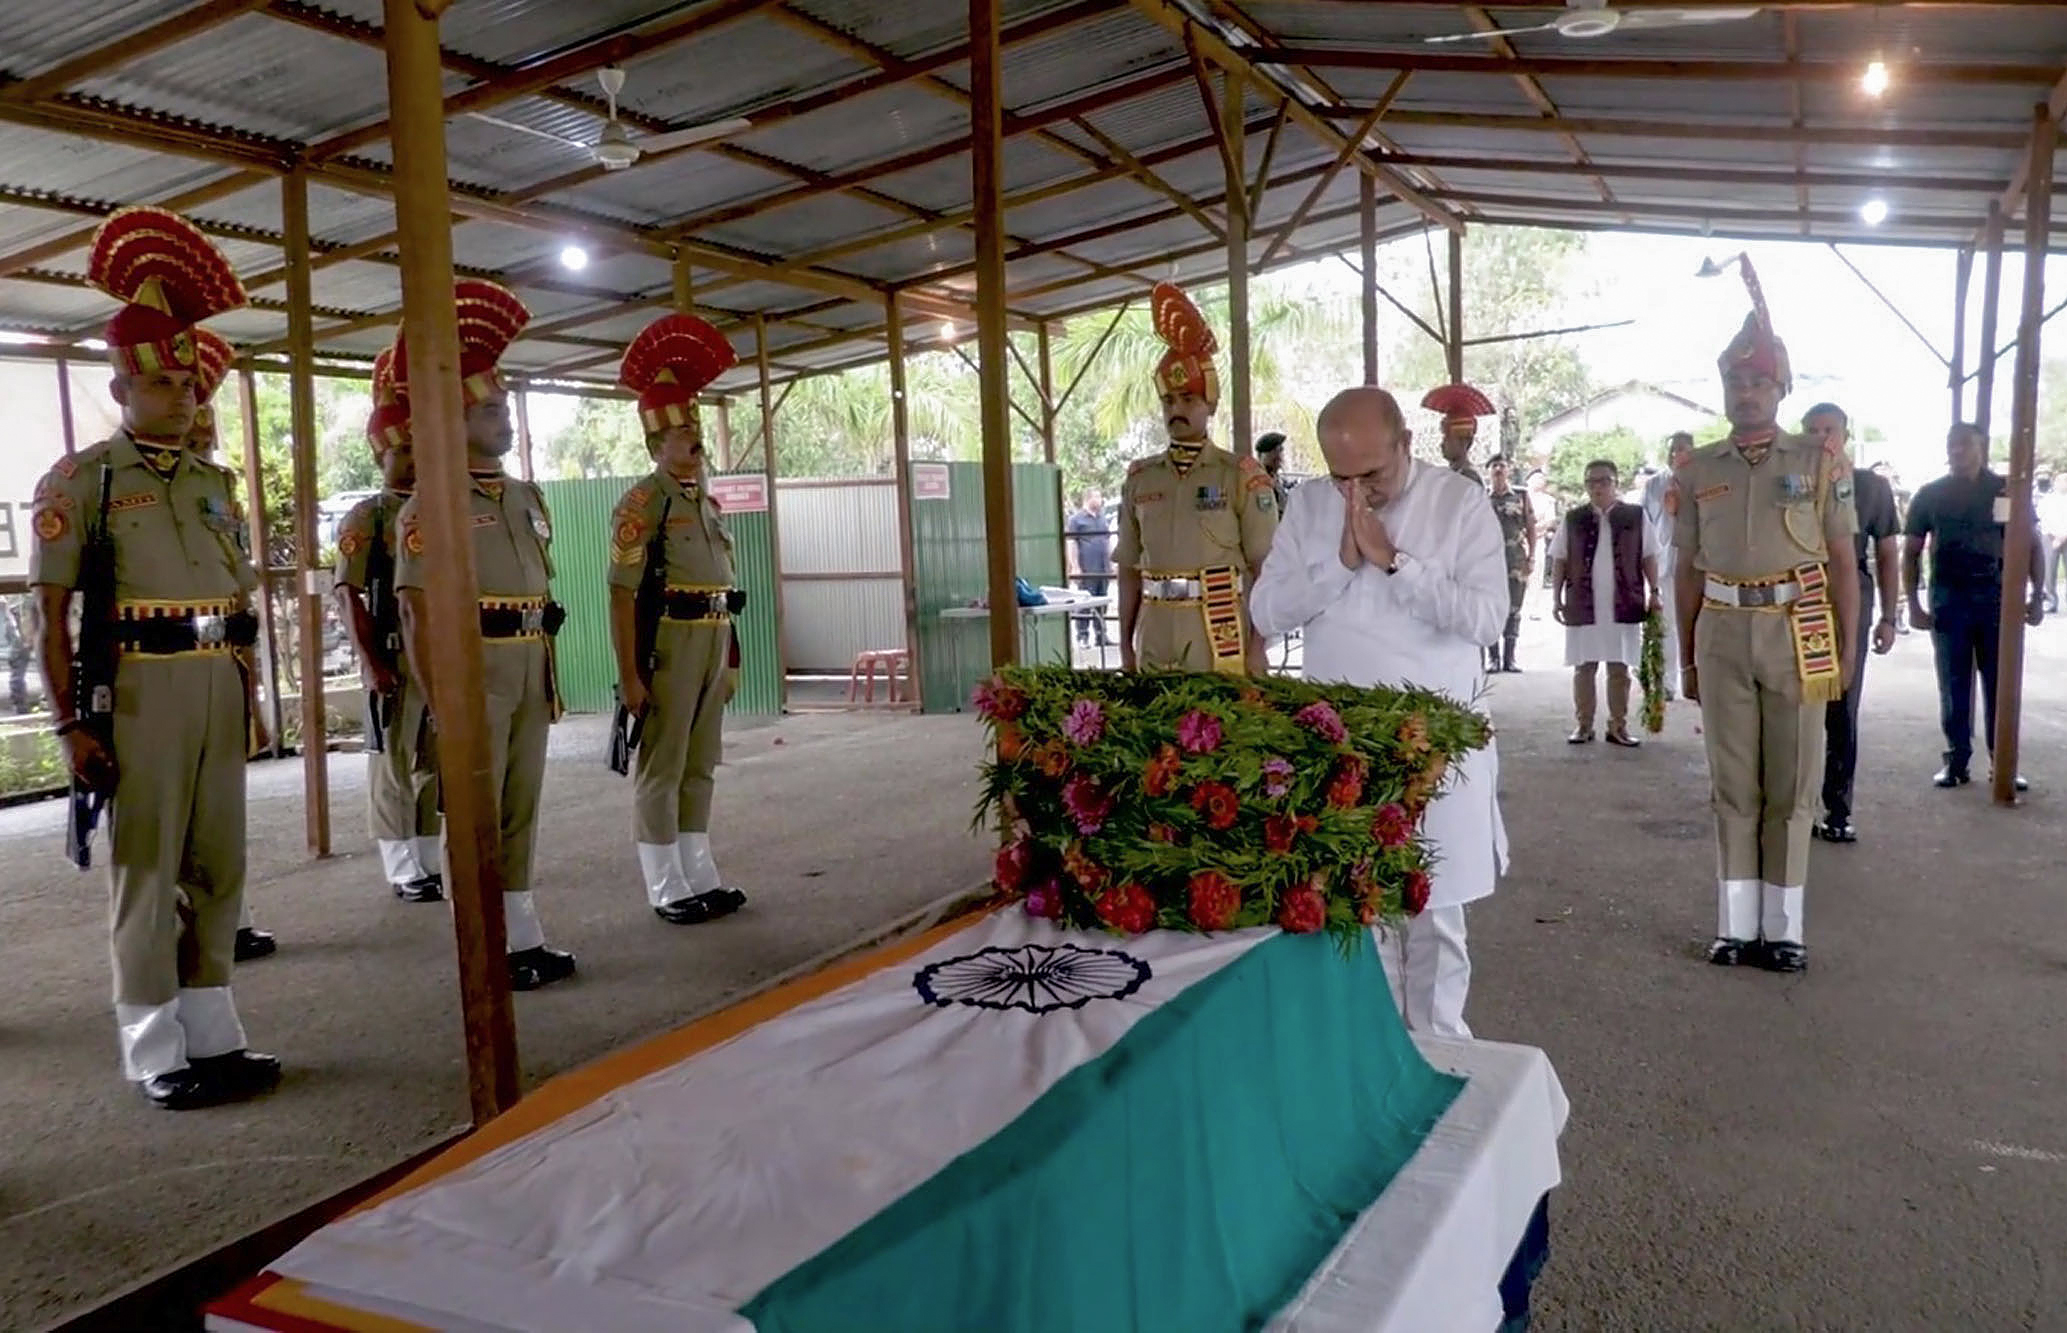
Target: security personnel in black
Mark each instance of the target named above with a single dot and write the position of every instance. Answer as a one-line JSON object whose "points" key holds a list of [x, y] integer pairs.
{"points": [[1964, 516], [1876, 545]]}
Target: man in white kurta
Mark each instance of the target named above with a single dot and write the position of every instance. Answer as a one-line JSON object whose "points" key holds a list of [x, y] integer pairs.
{"points": [[1609, 627], [1396, 575]]}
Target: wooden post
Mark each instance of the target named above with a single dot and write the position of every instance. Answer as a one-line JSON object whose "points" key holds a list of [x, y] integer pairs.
{"points": [[685, 287], [523, 406], [1367, 207], [768, 409], [1241, 418], [2017, 541], [1046, 366], [423, 213], [1991, 301], [724, 419], [311, 579], [986, 170], [900, 466], [255, 524], [1454, 353], [64, 404], [1962, 277]]}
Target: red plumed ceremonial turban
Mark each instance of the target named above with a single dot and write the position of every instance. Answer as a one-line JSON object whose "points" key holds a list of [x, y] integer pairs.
{"points": [[671, 361], [1188, 366], [168, 276], [490, 318], [1458, 402]]}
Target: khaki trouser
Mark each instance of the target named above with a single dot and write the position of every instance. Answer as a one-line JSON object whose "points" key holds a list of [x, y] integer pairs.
{"points": [[401, 801], [1172, 636], [683, 735], [177, 827], [1584, 694], [1765, 746], [519, 723]]}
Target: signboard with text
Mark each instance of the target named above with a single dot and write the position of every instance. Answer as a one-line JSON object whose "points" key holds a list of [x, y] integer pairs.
{"points": [[747, 494], [931, 481]]}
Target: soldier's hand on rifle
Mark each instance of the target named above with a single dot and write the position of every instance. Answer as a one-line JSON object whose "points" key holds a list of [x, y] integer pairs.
{"points": [[633, 694], [90, 761]]}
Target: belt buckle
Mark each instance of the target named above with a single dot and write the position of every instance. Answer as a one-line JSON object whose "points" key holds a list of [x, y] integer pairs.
{"points": [[211, 631], [531, 620]]}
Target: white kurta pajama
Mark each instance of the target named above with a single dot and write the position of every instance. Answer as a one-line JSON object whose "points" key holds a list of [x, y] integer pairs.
{"points": [[1423, 626]]}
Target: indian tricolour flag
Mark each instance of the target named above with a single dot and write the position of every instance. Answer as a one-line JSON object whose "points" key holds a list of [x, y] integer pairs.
{"points": [[1003, 1126]]}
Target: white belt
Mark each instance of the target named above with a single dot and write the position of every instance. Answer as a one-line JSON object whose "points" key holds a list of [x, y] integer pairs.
{"points": [[1172, 590], [1752, 594]]}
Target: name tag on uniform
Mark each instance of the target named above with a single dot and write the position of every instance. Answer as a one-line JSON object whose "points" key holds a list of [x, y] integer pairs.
{"points": [[141, 500], [1144, 501], [1999, 512], [485, 520], [1211, 497], [1715, 492]]}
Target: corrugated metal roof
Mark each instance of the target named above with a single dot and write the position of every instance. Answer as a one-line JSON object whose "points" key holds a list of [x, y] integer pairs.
{"points": [[516, 30], [34, 37], [734, 70], [805, 226]]}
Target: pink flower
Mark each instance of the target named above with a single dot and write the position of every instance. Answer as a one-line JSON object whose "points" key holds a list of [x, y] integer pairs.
{"points": [[1088, 803], [1085, 723], [1045, 901], [1321, 718], [1277, 776], [1393, 827], [1015, 861], [998, 701], [1199, 732]]}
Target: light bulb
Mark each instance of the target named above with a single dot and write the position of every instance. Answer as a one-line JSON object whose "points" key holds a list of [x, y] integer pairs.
{"points": [[1875, 80], [947, 330], [574, 257], [1873, 212]]}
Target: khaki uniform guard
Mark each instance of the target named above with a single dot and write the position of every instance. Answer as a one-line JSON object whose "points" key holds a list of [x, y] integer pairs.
{"points": [[179, 620], [402, 798], [1759, 517], [1195, 522], [668, 535], [513, 566]]}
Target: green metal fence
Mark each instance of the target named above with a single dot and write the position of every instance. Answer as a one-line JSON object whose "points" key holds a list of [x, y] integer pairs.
{"points": [[581, 556], [950, 570]]}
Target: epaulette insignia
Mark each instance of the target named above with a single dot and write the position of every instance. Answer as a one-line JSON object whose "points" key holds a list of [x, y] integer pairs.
{"points": [[412, 536], [65, 467]]}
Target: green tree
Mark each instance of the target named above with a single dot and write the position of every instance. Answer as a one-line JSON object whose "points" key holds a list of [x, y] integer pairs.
{"points": [[840, 425], [603, 439], [2051, 445], [1621, 446]]}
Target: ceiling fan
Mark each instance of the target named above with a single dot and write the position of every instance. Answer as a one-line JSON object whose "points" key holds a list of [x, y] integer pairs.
{"points": [[616, 147], [1594, 18]]}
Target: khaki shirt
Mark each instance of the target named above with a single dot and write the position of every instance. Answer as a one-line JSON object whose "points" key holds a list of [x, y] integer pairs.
{"points": [[375, 519], [1737, 521], [698, 548], [176, 540], [1223, 511], [513, 535]]}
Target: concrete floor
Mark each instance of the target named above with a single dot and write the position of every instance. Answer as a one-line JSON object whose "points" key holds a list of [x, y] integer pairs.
{"points": [[1880, 1143]]}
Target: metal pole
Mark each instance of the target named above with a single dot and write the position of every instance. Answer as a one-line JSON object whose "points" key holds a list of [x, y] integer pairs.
{"points": [[1367, 208], [774, 517], [310, 577], [1241, 414], [2017, 552], [1454, 353], [1991, 300], [907, 535], [255, 526], [1962, 278], [986, 170], [423, 213]]}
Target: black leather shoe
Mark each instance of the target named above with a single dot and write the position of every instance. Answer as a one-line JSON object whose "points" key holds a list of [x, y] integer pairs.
{"points": [[1622, 738], [239, 1074], [1782, 956], [1583, 736], [1834, 830], [429, 889], [1951, 777], [254, 943], [701, 907], [181, 1090], [1728, 953], [532, 968]]}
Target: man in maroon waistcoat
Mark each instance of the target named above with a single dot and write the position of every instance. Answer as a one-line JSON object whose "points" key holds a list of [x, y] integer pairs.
{"points": [[1605, 584]]}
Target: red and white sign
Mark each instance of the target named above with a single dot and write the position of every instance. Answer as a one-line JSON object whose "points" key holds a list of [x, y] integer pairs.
{"points": [[931, 481], [740, 495]]}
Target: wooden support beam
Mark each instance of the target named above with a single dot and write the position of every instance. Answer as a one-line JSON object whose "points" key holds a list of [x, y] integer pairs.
{"points": [[309, 570], [723, 416], [900, 467], [1991, 305], [1962, 277], [1454, 327], [2018, 540], [986, 173], [1893, 309], [1538, 207], [1270, 155], [1719, 175], [255, 521], [1921, 73], [1739, 131], [1171, 17], [520, 399], [189, 22], [1241, 420], [64, 404], [1145, 174], [1046, 387], [1342, 156], [2015, 194], [1532, 89], [1090, 358], [770, 406], [1367, 221], [451, 598]]}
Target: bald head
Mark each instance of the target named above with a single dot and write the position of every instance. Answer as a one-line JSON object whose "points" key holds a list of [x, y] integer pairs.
{"points": [[1365, 440]]}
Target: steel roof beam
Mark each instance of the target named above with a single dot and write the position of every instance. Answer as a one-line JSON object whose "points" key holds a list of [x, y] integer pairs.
{"points": [[1856, 135], [1918, 73]]}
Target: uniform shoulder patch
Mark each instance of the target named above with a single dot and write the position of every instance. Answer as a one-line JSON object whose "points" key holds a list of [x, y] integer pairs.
{"points": [[631, 526], [412, 534], [65, 467], [1142, 464]]}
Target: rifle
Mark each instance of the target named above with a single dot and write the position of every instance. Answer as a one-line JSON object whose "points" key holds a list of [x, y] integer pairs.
{"points": [[646, 609], [93, 674], [382, 609]]}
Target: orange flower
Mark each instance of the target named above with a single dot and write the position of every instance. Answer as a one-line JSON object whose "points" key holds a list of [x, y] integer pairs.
{"points": [[1218, 802], [1091, 876], [1413, 735], [1214, 900], [1011, 742], [1161, 773], [1162, 833], [1052, 758]]}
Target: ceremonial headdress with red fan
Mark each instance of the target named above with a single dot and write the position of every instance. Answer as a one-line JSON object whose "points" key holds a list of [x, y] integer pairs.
{"points": [[490, 318], [671, 361], [1458, 403], [388, 424], [1756, 347], [168, 276], [1188, 366], [212, 357]]}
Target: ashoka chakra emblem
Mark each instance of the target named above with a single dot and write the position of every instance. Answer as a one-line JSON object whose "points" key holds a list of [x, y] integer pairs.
{"points": [[1038, 978]]}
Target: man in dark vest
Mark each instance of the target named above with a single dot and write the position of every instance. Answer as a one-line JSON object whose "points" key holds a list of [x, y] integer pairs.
{"points": [[1604, 587]]}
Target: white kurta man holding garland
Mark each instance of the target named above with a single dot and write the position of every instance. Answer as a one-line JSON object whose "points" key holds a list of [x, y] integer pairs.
{"points": [[1397, 575]]}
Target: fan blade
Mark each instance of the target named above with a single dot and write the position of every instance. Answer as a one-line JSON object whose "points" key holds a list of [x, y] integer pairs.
{"points": [[1682, 18], [547, 135], [1488, 36], [695, 134]]}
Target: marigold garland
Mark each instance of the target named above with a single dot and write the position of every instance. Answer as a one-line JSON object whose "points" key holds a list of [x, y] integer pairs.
{"points": [[1198, 801], [1650, 672]]}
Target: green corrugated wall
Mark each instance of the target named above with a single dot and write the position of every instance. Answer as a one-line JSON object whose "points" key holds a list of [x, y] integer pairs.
{"points": [[950, 570], [581, 555]]}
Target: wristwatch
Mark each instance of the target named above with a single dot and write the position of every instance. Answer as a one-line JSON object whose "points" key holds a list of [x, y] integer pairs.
{"points": [[1393, 566]]}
